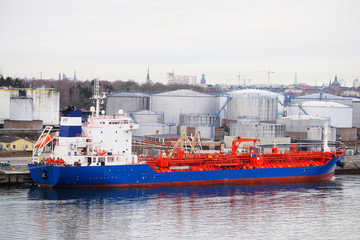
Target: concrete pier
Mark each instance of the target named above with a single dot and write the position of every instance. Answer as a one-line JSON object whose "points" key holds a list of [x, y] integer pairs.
{"points": [[9, 177], [352, 166]]}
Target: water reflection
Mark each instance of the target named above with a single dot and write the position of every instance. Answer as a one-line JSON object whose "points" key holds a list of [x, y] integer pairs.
{"points": [[178, 211], [221, 212], [89, 194]]}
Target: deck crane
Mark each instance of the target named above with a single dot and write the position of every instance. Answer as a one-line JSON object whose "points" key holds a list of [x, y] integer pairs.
{"points": [[184, 141], [180, 143], [196, 139]]}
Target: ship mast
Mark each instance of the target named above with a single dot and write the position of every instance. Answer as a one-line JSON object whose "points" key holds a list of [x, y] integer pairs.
{"points": [[96, 97], [326, 139]]}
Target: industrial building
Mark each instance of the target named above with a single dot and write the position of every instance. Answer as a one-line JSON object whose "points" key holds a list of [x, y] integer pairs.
{"points": [[316, 133], [178, 102], [356, 112], [326, 97], [247, 113], [339, 115], [203, 123], [30, 104], [151, 123], [255, 129], [260, 104], [171, 78], [126, 101], [297, 126]]}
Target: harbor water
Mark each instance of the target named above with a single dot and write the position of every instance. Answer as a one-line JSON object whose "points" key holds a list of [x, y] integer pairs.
{"points": [[298, 211]]}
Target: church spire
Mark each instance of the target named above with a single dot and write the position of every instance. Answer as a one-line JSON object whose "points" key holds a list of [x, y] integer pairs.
{"points": [[148, 76]]}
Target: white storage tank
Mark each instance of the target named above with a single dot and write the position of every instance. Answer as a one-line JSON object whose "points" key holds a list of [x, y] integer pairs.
{"points": [[323, 97], [257, 129], [301, 123], [206, 131], [178, 102], [356, 112], [46, 105], [5, 96], [21, 109], [253, 103], [155, 128], [191, 120], [316, 133], [340, 115], [147, 116], [127, 101]]}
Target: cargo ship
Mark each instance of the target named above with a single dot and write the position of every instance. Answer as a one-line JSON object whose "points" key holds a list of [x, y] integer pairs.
{"points": [[99, 154]]}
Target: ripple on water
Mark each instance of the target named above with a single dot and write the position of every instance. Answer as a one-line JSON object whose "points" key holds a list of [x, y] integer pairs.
{"points": [[306, 211]]}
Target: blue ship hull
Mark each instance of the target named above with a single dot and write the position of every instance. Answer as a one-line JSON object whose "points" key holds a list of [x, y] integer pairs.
{"points": [[142, 175]]}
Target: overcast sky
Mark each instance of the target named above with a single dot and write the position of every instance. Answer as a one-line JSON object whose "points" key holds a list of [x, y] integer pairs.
{"points": [[117, 40]]}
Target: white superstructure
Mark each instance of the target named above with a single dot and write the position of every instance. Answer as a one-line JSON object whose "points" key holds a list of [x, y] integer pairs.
{"points": [[104, 140]]}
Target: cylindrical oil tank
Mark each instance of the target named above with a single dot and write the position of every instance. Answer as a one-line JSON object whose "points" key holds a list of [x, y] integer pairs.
{"points": [[147, 116], [155, 128], [127, 101], [5, 96], [46, 104], [340, 115], [252, 103], [301, 123], [323, 97], [257, 129], [316, 133], [248, 120], [178, 102], [356, 113], [206, 131], [192, 120], [21, 109]]}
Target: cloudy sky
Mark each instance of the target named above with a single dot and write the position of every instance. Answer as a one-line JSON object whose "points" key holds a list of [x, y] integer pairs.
{"points": [[117, 39]]}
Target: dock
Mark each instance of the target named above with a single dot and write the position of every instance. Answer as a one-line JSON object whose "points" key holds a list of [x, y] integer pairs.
{"points": [[9, 177], [14, 171], [351, 166]]}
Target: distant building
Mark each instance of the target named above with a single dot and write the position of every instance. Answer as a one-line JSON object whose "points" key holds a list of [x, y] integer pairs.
{"points": [[148, 76], [171, 78], [335, 84], [356, 83], [203, 80], [15, 144]]}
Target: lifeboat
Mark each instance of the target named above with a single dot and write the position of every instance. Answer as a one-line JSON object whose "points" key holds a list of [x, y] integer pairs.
{"points": [[43, 141]]}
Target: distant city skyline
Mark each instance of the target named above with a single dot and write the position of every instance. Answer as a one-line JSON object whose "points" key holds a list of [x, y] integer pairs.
{"points": [[119, 40]]}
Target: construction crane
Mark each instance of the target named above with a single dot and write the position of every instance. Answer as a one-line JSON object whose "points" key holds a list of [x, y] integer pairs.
{"points": [[268, 72], [244, 79]]}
